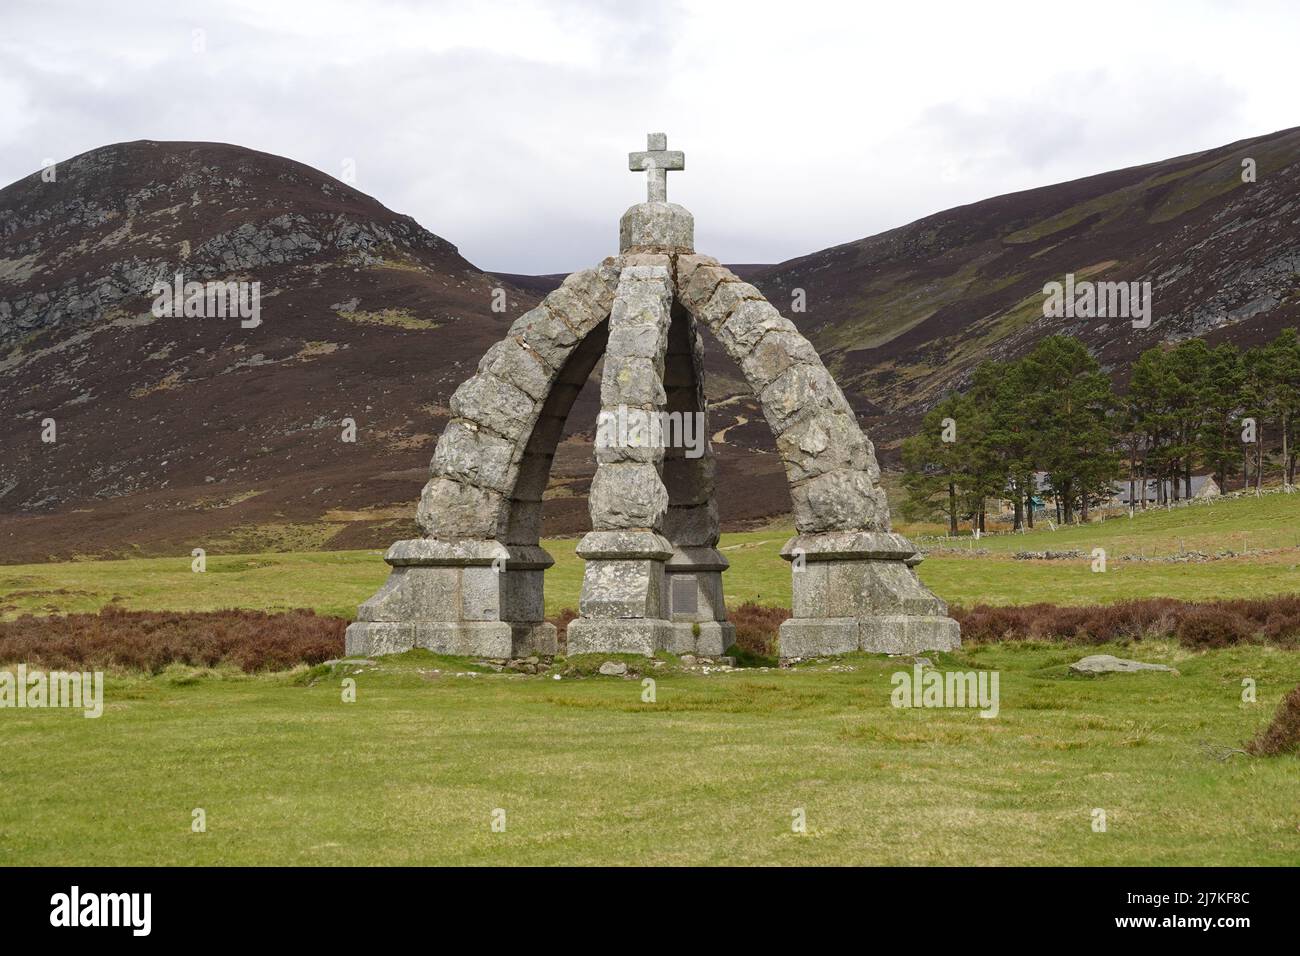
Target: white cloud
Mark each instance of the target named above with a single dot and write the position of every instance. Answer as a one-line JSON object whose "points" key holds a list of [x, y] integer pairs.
{"points": [[504, 127]]}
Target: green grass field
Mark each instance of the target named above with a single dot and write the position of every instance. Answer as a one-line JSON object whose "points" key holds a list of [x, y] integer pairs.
{"points": [[335, 582], [1232, 524], [711, 772]]}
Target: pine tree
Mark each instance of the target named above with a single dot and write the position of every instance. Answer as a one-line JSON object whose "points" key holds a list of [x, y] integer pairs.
{"points": [[1054, 410], [1188, 362], [1003, 392], [1256, 389], [1149, 405], [933, 466], [1072, 415], [1284, 395], [1220, 429]]}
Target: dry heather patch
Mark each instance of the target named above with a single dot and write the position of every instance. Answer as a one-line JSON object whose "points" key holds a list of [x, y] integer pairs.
{"points": [[561, 622], [757, 626], [150, 641], [1194, 625], [254, 640], [1282, 736]]}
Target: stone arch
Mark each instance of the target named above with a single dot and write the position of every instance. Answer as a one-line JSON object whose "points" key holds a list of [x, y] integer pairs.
{"points": [[491, 464], [830, 464], [854, 583], [473, 584], [524, 518]]}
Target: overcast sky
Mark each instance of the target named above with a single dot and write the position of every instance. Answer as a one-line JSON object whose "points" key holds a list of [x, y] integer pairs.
{"points": [[505, 127]]}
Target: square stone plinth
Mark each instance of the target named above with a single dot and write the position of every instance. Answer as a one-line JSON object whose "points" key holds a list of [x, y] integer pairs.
{"points": [[818, 637], [471, 598], [908, 634], [618, 636], [465, 638], [703, 638], [882, 634], [858, 591]]}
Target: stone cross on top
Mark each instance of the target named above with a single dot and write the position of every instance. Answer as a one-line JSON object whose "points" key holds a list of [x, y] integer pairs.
{"points": [[656, 160]]}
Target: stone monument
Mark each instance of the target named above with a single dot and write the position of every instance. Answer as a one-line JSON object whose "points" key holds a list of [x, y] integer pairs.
{"points": [[653, 574]]}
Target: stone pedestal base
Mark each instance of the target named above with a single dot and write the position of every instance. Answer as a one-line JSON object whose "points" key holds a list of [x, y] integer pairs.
{"points": [[693, 587], [702, 638], [640, 595], [472, 598], [618, 636], [494, 639], [858, 591], [886, 634], [908, 634], [819, 636], [622, 603], [528, 638]]}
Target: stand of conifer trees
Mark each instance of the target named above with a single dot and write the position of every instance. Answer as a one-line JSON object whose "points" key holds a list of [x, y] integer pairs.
{"points": [[1187, 407]]}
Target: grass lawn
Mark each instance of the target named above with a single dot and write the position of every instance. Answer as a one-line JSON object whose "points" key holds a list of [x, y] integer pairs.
{"points": [[710, 773], [335, 582], [1229, 524]]}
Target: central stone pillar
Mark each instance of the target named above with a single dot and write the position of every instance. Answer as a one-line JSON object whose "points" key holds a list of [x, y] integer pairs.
{"points": [[693, 575], [622, 602]]}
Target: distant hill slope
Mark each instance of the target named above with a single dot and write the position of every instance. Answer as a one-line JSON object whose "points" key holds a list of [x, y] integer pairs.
{"points": [[175, 433], [908, 314]]}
